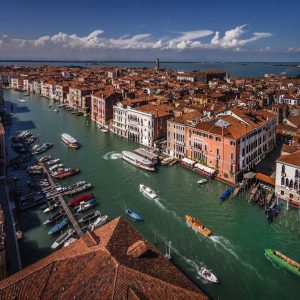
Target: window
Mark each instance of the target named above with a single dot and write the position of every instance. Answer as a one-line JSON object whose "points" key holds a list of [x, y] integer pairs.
{"points": [[283, 169], [296, 173], [243, 152], [291, 196], [287, 182], [291, 184], [231, 156], [282, 180], [282, 193]]}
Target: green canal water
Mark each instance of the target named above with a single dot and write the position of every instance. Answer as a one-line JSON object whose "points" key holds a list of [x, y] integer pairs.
{"points": [[241, 231]]}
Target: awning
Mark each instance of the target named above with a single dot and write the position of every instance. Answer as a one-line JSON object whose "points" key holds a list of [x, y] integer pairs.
{"points": [[204, 168], [249, 175], [265, 178], [188, 161], [145, 153]]}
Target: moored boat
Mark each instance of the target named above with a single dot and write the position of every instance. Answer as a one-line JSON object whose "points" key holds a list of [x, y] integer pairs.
{"points": [[82, 198], [58, 227], [202, 181], [138, 161], [207, 275], [198, 226], [79, 189], [54, 217], [83, 206], [98, 223], [66, 174], [62, 239], [226, 194], [283, 261], [133, 215], [70, 141], [147, 191], [89, 216]]}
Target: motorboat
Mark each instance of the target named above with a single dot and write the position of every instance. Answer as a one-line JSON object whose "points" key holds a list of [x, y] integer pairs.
{"points": [[147, 191], [75, 185], [197, 226], [51, 207], [66, 174], [59, 226], [82, 198], [69, 241], [52, 162], [98, 223], [133, 215], [90, 217], [70, 141], [207, 275], [138, 161], [55, 167], [44, 158], [54, 217], [63, 238], [104, 130], [79, 189], [83, 206], [202, 181]]}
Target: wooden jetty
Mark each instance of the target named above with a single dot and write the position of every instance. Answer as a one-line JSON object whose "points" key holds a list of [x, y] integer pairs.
{"points": [[64, 205]]}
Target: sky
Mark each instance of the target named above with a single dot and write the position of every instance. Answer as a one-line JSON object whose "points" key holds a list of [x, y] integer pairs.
{"points": [[191, 30]]}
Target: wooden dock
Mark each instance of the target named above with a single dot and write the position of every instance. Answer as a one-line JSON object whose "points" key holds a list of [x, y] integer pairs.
{"points": [[65, 205]]}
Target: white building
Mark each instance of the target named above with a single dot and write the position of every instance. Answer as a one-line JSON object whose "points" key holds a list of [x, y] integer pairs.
{"points": [[120, 119], [287, 184]]}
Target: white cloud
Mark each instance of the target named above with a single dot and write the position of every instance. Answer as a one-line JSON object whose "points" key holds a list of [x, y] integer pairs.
{"points": [[95, 43]]}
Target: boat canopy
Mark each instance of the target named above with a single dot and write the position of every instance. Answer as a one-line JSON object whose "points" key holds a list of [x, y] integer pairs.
{"points": [[137, 158], [188, 161], [69, 138], [204, 168], [146, 154]]}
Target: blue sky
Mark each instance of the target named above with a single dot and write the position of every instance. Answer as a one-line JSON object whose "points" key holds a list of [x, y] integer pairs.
{"points": [[142, 30]]}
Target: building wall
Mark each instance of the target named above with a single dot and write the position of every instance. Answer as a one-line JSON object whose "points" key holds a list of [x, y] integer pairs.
{"points": [[287, 184], [175, 139]]}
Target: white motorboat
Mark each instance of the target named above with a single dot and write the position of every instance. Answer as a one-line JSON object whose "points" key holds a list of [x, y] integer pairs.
{"points": [[63, 238], [98, 223], [147, 191], [202, 181], [104, 130], [207, 275], [69, 241]]}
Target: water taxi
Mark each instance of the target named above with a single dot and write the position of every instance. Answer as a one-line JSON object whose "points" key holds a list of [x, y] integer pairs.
{"points": [[197, 225], [138, 161], [133, 215], [147, 191], [70, 141], [283, 261]]}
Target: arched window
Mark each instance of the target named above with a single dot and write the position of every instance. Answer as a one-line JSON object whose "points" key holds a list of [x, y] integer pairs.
{"points": [[296, 186], [282, 180], [291, 184], [283, 169], [296, 173], [243, 152], [287, 182]]}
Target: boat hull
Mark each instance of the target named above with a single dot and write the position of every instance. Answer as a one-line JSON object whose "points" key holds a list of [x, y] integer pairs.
{"points": [[283, 263]]}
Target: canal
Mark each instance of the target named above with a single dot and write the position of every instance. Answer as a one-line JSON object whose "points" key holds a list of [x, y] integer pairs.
{"points": [[241, 231]]}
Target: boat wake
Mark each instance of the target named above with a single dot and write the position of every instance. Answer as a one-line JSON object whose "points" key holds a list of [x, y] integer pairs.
{"points": [[224, 243], [22, 100], [112, 155]]}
